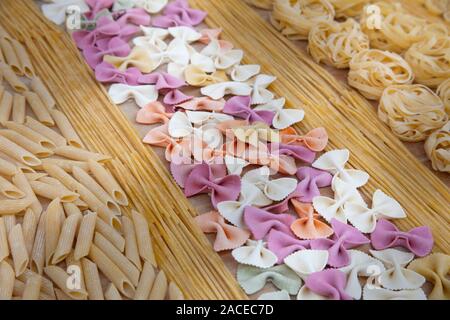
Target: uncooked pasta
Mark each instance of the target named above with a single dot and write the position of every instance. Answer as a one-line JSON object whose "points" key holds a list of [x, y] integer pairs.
{"points": [[263, 4], [437, 147], [443, 92], [348, 8]]}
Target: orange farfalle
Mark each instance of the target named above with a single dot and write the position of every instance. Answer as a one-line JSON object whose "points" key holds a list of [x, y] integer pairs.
{"points": [[213, 34], [309, 226], [315, 140], [202, 104], [228, 237], [153, 112]]}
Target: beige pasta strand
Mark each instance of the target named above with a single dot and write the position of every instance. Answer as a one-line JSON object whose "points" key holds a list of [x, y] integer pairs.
{"points": [[92, 280], [18, 249], [143, 238], [66, 238], [85, 235], [19, 108], [145, 282]]}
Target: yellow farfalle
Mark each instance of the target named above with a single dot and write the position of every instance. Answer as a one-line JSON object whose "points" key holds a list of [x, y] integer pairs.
{"points": [[198, 78], [138, 58]]}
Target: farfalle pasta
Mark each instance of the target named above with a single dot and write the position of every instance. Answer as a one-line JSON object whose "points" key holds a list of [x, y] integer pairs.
{"points": [[335, 43], [372, 70], [437, 148], [411, 111]]}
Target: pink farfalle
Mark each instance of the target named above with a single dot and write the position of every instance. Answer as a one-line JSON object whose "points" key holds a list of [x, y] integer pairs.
{"points": [[96, 6], [187, 15], [345, 237], [226, 126], [163, 81], [261, 222], [106, 29], [136, 16], [182, 171], [328, 283], [316, 140], [107, 73], [213, 34], [115, 47], [308, 226], [175, 96], [203, 180], [283, 206], [239, 106], [298, 152], [311, 180], [153, 112], [283, 244], [418, 240], [202, 104], [227, 236]]}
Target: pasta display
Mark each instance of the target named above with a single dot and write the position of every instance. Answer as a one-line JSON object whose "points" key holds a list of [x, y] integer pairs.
{"points": [[348, 8], [443, 91], [437, 147], [264, 4]]}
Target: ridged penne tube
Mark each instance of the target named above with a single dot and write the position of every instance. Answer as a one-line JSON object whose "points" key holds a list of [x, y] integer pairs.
{"points": [[65, 164], [39, 87], [61, 296], [8, 207], [159, 289], [24, 169], [38, 252], [144, 241], [111, 234], [59, 174], [46, 287], [38, 108], [66, 128], [111, 271], [19, 288], [6, 104], [80, 154], [52, 192], [111, 293], [18, 108], [10, 222], [35, 176], [29, 145], [7, 168], [31, 134], [81, 204], [175, 292], [24, 60], [17, 152], [70, 208], [66, 238], [29, 227], [85, 235], [10, 55], [72, 262], [4, 247], [22, 183], [131, 247], [37, 126], [84, 178], [9, 190], [125, 265], [60, 277], [7, 278], [145, 282], [53, 225], [12, 79], [108, 182], [32, 288], [92, 280], [18, 249]]}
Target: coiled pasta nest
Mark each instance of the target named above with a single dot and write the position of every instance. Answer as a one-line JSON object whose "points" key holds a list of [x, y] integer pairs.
{"points": [[263, 4], [437, 7], [294, 18], [335, 43], [348, 8], [372, 70], [411, 111], [443, 92], [437, 148]]}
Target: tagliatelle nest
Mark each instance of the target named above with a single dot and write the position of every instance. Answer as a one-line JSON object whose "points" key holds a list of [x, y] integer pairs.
{"points": [[443, 92], [263, 4], [437, 148], [335, 43], [412, 111], [348, 8], [437, 7], [372, 70], [295, 18]]}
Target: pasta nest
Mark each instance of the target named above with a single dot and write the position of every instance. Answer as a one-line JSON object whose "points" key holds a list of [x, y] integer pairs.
{"points": [[437, 7], [335, 43], [295, 18], [411, 111], [443, 92], [348, 8], [372, 70], [437, 147], [430, 59], [263, 4]]}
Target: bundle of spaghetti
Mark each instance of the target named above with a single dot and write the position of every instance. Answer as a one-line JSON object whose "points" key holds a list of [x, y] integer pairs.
{"points": [[437, 147], [349, 119], [348, 8], [412, 111], [263, 4], [443, 92], [430, 59], [179, 244], [295, 18], [372, 70], [335, 43]]}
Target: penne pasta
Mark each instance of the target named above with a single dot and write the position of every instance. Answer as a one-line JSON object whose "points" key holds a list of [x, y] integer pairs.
{"points": [[80, 154], [12, 79], [31, 134], [8, 207], [71, 208], [24, 60], [9, 190], [66, 238], [4, 247], [53, 223], [10, 55], [52, 192], [112, 272], [7, 279], [2, 60], [46, 287], [60, 278], [108, 182], [65, 164], [19, 108], [35, 176], [32, 288], [60, 295], [7, 168], [59, 174], [145, 282], [22, 183], [40, 128], [66, 128], [131, 247], [18, 249], [10, 222], [19, 288], [72, 262], [112, 293], [6, 105], [25, 169], [92, 280], [38, 252], [175, 292], [17, 152], [38, 108], [27, 144], [111, 234], [39, 87], [4, 33], [85, 235], [29, 227], [143, 238], [159, 289], [81, 204]]}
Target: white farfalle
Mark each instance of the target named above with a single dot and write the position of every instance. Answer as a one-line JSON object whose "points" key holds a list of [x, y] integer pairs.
{"points": [[151, 6], [233, 211], [305, 262], [201, 117], [361, 265], [122, 5], [255, 254], [242, 73], [306, 294], [283, 117], [344, 194], [334, 162], [176, 52], [235, 165], [396, 276], [275, 295], [223, 59], [57, 11], [383, 206], [185, 34], [153, 37], [142, 95], [218, 90], [260, 93], [199, 61], [276, 190], [378, 293]]}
